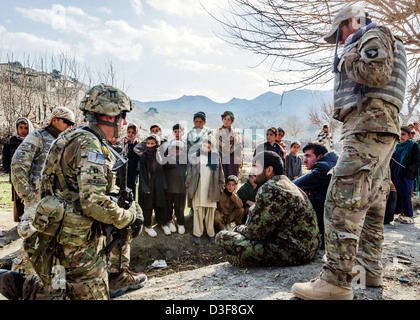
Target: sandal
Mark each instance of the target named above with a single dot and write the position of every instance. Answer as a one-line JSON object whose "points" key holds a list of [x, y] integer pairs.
{"points": [[399, 218], [407, 220]]}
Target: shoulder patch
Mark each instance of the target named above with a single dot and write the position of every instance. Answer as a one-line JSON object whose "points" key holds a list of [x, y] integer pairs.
{"points": [[95, 157]]}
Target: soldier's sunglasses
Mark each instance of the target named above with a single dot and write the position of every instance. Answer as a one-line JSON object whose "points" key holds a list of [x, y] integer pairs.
{"points": [[123, 114], [340, 34], [67, 122]]}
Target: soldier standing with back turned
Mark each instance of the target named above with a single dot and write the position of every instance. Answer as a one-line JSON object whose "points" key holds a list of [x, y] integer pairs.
{"points": [[370, 80], [26, 167]]}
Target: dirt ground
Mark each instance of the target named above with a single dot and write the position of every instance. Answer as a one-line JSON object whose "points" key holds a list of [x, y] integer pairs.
{"points": [[200, 272]]}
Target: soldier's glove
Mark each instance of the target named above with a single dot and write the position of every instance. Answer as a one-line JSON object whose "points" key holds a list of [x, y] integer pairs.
{"points": [[137, 221], [137, 226]]}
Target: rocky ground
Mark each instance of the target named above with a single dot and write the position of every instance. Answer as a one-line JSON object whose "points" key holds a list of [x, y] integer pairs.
{"points": [[200, 272]]}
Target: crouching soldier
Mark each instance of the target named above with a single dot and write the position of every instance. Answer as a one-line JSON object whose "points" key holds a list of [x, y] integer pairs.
{"points": [[282, 230], [76, 186]]}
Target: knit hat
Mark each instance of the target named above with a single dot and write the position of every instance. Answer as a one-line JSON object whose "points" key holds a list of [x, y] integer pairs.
{"points": [[201, 115], [228, 113], [406, 129]]}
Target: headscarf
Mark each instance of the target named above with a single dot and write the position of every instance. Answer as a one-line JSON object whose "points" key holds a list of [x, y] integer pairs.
{"points": [[25, 121], [126, 139]]}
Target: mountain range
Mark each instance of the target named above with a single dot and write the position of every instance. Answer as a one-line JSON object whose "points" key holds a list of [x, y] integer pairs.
{"points": [[297, 102], [268, 109]]}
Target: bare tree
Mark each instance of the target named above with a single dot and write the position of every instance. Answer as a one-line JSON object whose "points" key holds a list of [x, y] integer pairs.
{"points": [[413, 99], [324, 116], [293, 126], [289, 33]]}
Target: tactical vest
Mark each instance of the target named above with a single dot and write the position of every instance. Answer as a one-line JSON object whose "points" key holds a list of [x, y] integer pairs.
{"points": [[39, 159], [346, 91]]}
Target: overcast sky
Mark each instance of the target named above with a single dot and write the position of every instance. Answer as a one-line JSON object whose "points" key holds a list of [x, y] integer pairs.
{"points": [[160, 49]]}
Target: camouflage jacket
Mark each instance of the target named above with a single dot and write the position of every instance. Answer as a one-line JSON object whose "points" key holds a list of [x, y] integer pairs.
{"points": [[369, 90], [87, 168], [283, 213], [27, 162]]}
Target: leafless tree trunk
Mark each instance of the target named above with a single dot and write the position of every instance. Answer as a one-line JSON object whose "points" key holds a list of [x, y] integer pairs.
{"points": [[325, 116], [293, 126]]}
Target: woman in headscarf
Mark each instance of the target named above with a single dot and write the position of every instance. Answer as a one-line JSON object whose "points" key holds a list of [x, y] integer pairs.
{"points": [[22, 128], [230, 145], [130, 141], [405, 164]]}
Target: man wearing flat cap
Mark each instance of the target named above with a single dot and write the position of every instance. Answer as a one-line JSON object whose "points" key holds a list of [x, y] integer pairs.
{"points": [[369, 88]]}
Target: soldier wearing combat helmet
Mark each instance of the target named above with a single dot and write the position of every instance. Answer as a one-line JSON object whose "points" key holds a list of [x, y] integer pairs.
{"points": [[370, 82], [79, 171]]}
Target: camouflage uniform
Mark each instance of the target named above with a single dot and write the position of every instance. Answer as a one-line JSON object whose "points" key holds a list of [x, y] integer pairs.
{"points": [[356, 198], [86, 182], [26, 167], [283, 230]]}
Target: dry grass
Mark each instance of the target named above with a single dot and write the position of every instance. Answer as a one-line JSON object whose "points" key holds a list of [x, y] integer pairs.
{"points": [[6, 203]]}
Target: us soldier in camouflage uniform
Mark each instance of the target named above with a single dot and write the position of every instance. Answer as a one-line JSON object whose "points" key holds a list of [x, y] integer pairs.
{"points": [[283, 229], [369, 92], [27, 163], [78, 173]]}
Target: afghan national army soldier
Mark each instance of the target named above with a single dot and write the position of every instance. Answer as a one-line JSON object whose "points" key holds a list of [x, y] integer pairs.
{"points": [[370, 82], [282, 230], [26, 167], [77, 205]]}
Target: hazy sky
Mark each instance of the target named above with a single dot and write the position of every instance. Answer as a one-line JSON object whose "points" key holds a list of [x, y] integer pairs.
{"points": [[160, 49]]}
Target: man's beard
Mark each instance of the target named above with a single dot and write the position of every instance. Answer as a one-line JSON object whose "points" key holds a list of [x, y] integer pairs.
{"points": [[261, 179]]}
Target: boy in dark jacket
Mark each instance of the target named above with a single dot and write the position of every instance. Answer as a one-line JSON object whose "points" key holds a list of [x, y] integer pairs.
{"points": [[247, 192], [294, 162], [405, 164], [315, 184], [152, 187], [176, 173]]}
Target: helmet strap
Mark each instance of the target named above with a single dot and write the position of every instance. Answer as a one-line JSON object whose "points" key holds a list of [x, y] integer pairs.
{"points": [[111, 124]]}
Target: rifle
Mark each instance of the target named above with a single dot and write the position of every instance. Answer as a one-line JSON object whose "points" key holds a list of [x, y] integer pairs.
{"points": [[124, 199]]}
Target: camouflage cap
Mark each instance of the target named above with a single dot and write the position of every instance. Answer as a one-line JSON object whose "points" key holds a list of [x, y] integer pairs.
{"points": [[59, 112], [107, 100], [344, 14]]}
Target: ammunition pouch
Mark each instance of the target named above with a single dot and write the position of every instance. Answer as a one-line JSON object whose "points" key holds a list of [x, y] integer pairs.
{"points": [[76, 228]]}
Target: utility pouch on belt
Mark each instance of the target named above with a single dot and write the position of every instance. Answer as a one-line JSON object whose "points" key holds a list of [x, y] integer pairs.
{"points": [[48, 215], [75, 229]]}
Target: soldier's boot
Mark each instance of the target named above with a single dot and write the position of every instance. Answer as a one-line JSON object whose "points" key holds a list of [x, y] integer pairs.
{"points": [[374, 281], [11, 284], [120, 283], [239, 262], [318, 289]]}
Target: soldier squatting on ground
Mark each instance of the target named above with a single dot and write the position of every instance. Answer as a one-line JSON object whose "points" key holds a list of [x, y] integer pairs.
{"points": [[76, 205]]}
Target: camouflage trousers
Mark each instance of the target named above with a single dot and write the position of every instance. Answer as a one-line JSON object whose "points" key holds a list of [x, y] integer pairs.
{"points": [[355, 207], [25, 229], [259, 253], [84, 271]]}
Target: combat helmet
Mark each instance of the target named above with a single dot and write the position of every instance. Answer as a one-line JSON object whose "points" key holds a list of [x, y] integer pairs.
{"points": [[105, 100]]}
